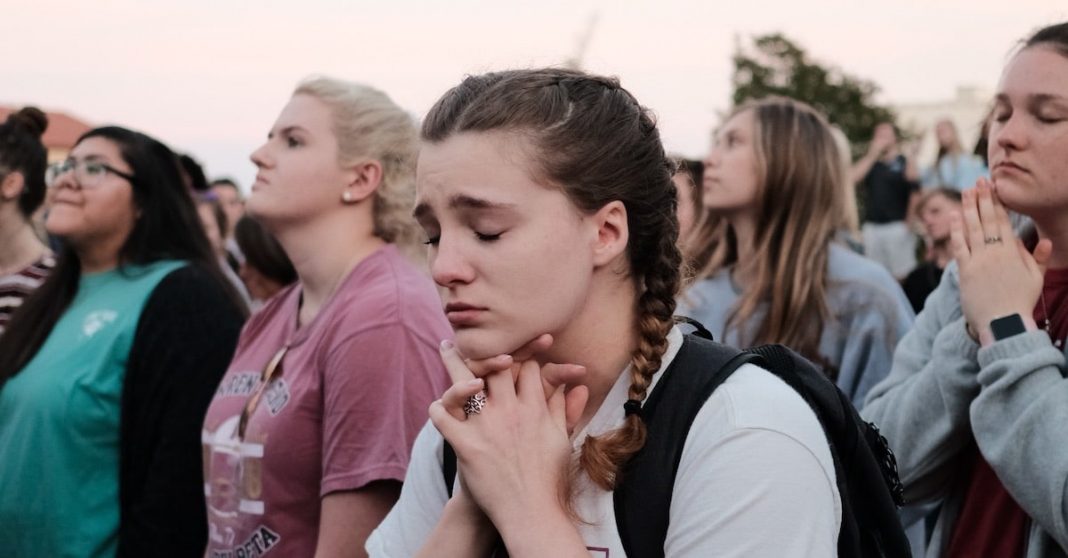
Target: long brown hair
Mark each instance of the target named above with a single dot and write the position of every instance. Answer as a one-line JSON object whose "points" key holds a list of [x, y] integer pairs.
{"points": [[593, 138], [800, 182]]}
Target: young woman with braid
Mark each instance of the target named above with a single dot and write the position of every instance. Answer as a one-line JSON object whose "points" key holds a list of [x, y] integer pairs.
{"points": [[767, 268], [549, 209]]}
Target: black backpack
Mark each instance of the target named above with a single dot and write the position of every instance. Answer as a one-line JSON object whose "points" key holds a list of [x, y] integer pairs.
{"points": [[865, 467]]}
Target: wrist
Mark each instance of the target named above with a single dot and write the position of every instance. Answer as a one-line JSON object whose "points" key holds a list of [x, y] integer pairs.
{"points": [[464, 508], [526, 534], [465, 516]]}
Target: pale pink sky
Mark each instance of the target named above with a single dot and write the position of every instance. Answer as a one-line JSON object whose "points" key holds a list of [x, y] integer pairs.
{"points": [[209, 76]]}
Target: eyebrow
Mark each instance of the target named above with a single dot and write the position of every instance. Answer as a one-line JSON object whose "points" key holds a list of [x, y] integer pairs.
{"points": [[1033, 99], [462, 201], [286, 130], [90, 159]]}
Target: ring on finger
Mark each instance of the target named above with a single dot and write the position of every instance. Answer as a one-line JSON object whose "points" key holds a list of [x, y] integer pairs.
{"points": [[992, 240], [475, 403]]}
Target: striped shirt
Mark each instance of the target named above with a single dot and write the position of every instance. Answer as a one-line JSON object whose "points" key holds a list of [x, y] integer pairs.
{"points": [[17, 286]]}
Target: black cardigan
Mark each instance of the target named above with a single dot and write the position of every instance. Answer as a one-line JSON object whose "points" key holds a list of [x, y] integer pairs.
{"points": [[184, 341]]}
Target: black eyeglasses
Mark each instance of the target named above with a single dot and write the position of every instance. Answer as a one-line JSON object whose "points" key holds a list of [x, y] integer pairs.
{"points": [[89, 174], [273, 368]]}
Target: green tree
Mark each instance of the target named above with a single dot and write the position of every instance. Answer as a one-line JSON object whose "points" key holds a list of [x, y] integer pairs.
{"points": [[775, 65]]}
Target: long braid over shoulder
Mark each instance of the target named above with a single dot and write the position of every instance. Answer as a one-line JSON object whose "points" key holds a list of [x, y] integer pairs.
{"points": [[597, 143]]}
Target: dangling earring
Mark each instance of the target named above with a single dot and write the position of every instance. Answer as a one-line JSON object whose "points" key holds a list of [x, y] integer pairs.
{"points": [[346, 196]]}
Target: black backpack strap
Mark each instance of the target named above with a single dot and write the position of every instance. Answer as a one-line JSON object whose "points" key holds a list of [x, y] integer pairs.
{"points": [[643, 498], [699, 329], [865, 470], [448, 466]]}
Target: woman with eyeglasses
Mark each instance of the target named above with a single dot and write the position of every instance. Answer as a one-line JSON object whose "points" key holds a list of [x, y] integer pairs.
{"points": [[106, 369], [307, 440], [25, 260]]}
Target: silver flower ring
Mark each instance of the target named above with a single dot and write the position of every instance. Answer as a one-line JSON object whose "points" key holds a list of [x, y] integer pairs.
{"points": [[475, 403]]}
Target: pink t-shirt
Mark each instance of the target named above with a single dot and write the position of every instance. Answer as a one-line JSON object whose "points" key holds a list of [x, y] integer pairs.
{"points": [[343, 411]]}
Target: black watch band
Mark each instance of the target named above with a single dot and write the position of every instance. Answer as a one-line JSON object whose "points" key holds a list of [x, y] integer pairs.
{"points": [[1007, 326]]}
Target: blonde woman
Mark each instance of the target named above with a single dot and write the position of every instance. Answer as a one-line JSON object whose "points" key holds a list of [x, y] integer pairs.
{"points": [[767, 269], [308, 437]]}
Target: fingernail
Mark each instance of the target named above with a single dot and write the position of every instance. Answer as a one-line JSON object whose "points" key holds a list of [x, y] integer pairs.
{"points": [[446, 344], [476, 383]]}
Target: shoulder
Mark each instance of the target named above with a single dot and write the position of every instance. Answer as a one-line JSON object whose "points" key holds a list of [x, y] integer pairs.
{"points": [[389, 290], [187, 294], [710, 291], [844, 264], [190, 283], [758, 440], [855, 279], [754, 398]]}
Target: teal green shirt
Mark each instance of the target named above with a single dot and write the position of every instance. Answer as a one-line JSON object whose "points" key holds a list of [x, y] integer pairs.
{"points": [[59, 423]]}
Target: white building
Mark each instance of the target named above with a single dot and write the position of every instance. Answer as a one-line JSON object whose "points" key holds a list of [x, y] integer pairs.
{"points": [[967, 110]]}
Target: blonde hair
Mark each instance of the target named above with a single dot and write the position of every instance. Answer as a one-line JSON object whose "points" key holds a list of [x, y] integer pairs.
{"points": [[369, 125], [848, 216], [800, 191]]}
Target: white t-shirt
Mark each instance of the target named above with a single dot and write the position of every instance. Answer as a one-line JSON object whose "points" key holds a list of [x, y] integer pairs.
{"points": [[756, 478]]}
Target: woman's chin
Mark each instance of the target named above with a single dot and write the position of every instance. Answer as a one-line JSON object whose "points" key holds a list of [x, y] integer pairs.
{"points": [[475, 343]]}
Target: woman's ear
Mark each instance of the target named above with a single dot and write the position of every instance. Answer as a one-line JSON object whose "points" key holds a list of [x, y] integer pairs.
{"points": [[12, 185], [612, 233], [365, 178]]}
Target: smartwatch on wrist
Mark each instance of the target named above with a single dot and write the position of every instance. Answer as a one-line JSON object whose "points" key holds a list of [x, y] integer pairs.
{"points": [[1007, 326]]}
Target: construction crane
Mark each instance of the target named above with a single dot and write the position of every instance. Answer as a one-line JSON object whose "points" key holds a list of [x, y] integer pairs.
{"points": [[582, 43]]}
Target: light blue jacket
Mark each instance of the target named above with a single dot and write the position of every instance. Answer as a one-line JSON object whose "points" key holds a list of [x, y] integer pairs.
{"points": [[870, 314]]}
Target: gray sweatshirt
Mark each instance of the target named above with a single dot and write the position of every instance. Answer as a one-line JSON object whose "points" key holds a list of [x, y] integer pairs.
{"points": [[1011, 398], [869, 309]]}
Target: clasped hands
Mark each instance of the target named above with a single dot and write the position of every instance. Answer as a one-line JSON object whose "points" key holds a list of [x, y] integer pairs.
{"points": [[998, 275], [514, 455]]}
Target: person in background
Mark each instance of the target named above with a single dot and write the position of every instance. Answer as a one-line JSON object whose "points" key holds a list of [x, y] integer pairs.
{"points": [[848, 231], [267, 269], [25, 260], [308, 438], [768, 270], [953, 167], [193, 174], [107, 368], [977, 400], [233, 203], [889, 186], [936, 209], [214, 220], [686, 179]]}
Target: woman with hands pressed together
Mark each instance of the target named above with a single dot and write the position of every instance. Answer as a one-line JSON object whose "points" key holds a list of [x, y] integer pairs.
{"points": [[549, 209], [976, 403]]}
